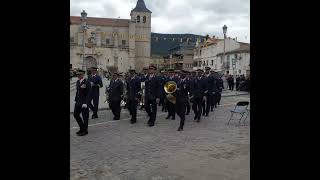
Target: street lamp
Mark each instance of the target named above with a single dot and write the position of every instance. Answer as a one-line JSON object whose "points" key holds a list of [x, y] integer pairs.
{"points": [[83, 27], [224, 29]]}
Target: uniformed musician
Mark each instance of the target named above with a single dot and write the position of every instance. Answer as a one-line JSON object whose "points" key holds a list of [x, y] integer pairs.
{"points": [[211, 90], [163, 93], [143, 78], [133, 89], [152, 93], [220, 87], [170, 105], [96, 83], [183, 87], [188, 79], [115, 92], [82, 100], [198, 89]]}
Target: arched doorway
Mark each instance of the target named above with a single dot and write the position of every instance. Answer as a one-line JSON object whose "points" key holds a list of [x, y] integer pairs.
{"points": [[90, 62]]}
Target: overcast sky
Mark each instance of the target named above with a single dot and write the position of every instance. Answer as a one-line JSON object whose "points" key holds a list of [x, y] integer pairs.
{"points": [[178, 16]]}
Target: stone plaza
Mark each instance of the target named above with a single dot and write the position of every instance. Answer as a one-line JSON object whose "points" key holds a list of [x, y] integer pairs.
{"points": [[118, 150]]}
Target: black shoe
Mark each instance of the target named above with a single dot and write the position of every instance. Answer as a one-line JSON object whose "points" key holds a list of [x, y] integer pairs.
{"points": [[180, 129], [168, 117], [195, 118], [94, 116], [212, 110], [165, 110], [116, 118], [83, 133], [151, 124], [133, 121], [207, 115], [79, 132], [173, 118]]}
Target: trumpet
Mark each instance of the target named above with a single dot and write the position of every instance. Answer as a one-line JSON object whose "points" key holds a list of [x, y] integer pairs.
{"points": [[170, 87]]}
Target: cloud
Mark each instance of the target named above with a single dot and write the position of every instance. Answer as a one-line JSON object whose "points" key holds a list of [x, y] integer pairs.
{"points": [[179, 16]]}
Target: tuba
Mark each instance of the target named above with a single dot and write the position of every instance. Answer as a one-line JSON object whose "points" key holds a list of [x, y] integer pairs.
{"points": [[170, 87]]}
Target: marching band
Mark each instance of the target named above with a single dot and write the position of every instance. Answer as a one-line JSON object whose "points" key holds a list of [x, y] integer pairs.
{"points": [[176, 91]]}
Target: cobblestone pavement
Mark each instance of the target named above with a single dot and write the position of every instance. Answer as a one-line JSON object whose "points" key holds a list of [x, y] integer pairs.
{"points": [[118, 150]]}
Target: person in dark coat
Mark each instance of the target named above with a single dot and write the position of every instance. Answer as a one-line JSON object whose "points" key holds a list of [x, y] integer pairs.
{"points": [[237, 82], [115, 92], [211, 90], [143, 78], [220, 87], [152, 94], [192, 78], [82, 100], [198, 91], [188, 79], [170, 106], [183, 88], [96, 83], [163, 101], [133, 89], [231, 82]]}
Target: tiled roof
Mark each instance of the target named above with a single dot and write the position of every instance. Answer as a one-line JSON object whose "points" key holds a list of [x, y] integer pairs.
{"points": [[101, 21], [141, 7]]}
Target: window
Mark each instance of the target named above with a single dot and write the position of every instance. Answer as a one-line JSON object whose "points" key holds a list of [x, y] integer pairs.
{"points": [[207, 62], [108, 60], [211, 62], [144, 19], [221, 60], [236, 56], [123, 42], [228, 57], [215, 66], [138, 19], [107, 41], [200, 52], [239, 71], [71, 39]]}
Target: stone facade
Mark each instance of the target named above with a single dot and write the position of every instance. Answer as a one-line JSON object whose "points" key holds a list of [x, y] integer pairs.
{"points": [[121, 43]]}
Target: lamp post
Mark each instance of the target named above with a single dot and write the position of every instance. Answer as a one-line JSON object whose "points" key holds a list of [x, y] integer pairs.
{"points": [[224, 29], [234, 60], [84, 27]]}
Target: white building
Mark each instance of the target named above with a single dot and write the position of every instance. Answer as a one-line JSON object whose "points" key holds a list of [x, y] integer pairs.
{"points": [[209, 52], [241, 58], [120, 43]]}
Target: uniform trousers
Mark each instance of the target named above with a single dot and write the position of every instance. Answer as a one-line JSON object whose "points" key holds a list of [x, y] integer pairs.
{"points": [[181, 111], [115, 108], [151, 109], [197, 106], [95, 100], [82, 122], [132, 106]]}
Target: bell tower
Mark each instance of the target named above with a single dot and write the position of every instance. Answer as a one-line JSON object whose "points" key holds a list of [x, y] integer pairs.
{"points": [[140, 35]]}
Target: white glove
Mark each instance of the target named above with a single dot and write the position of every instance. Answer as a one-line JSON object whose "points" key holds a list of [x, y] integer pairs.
{"points": [[84, 106], [204, 98]]}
